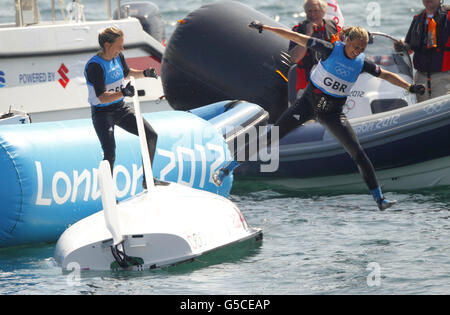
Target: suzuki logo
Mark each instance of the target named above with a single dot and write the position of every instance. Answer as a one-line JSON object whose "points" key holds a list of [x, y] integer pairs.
{"points": [[62, 72], [2, 79]]}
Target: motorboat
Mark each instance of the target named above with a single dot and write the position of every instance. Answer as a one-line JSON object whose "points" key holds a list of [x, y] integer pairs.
{"points": [[406, 141], [408, 147], [165, 225], [42, 62]]}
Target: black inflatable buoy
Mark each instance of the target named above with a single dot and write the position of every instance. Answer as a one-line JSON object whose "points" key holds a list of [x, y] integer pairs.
{"points": [[213, 55]]}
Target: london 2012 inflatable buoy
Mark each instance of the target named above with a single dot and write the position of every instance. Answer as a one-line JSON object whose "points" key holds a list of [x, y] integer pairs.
{"points": [[49, 170], [213, 55]]}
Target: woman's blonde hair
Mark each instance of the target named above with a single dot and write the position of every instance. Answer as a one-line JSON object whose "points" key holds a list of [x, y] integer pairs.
{"points": [[356, 32], [109, 35]]}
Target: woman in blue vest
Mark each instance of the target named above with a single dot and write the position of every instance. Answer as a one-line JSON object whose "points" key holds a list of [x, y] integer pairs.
{"points": [[327, 91], [105, 74]]}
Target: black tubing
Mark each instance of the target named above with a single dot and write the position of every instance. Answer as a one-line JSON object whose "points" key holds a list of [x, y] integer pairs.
{"points": [[213, 55]]}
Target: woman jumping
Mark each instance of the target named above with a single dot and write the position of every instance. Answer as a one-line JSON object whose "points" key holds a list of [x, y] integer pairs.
{"points": [[326, 94]]}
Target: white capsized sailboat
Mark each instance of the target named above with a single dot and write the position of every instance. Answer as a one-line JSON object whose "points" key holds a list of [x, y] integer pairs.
{"points": [[165, 225]]}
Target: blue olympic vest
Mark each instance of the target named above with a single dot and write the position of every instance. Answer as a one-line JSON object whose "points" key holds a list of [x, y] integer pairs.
{"points": [[337, 74], [113, 74]]}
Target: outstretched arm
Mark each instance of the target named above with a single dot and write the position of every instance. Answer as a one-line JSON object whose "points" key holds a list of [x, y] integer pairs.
{"points": [[138, 74], [288, 34], [398, 81], [298, 52], [394, 79]]}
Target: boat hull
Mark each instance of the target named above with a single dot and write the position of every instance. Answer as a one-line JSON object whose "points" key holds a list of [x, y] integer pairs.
{"points": [[408, 147], [168, 225], [427, 175]]}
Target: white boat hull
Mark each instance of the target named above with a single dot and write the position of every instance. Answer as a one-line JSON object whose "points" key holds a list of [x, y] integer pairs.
{"points": [[426, 175], [170, 225]]}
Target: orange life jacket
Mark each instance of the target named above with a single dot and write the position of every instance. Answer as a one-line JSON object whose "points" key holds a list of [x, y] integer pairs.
{"points": [[431, 41]]}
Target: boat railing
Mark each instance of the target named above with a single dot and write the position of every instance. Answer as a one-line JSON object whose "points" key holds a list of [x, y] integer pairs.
{"points": [[126, 10], [27, 11], [384, 54]]}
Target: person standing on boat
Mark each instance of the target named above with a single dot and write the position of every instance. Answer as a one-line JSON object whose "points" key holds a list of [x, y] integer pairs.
{"points": [[105, 74], [429, 38], [316, 26], [326, 94]]}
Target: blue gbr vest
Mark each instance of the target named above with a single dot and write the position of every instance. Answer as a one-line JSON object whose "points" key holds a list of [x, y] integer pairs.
{"points": [[113, 74], [337, 74]]}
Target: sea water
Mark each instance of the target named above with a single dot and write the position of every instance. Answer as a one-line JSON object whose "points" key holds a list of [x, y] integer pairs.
{"points": [[313, 243]]}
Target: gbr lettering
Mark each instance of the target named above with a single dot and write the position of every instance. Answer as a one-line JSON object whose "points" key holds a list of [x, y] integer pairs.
{"points": [[335, 85]]}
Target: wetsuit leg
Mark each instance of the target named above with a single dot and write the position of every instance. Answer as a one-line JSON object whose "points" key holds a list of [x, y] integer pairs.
{"points": [[126, 119], [103, 121], [292, 118], [341, 129], [296, 115]]}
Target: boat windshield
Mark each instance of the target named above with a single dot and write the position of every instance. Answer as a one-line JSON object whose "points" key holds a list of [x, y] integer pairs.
{"points": [[381, 51]]}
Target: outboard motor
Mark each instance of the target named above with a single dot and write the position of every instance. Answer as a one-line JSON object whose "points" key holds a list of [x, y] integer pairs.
{"points": [[148, 14], [213, 56]]}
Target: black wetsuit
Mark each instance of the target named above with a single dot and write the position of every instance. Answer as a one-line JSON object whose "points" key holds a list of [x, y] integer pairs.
{"points": [[105, 118], [327, 110]]}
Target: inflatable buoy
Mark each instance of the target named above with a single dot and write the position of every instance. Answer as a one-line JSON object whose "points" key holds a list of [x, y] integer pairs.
{"points": [[49, 170], [213, 55]]}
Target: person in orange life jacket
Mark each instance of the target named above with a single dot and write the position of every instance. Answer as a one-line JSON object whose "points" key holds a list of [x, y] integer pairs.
{"points": [[105, 74], [326, 94], [429, 38], [315, 26]]}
